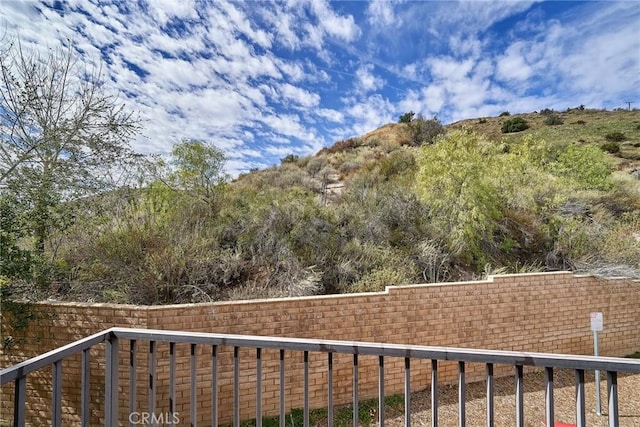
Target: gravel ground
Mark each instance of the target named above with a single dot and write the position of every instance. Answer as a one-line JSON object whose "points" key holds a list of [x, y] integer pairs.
{"points": [[534, 409]]}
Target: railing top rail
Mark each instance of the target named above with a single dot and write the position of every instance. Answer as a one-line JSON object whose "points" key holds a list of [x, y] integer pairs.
{"points": [[390, 350], [314, 345], [23, 368]]}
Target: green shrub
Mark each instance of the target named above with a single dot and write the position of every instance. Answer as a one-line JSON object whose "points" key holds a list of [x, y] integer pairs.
{"points": [[454, 180], [516, 124], [547, 112], [611, 147], [586, 167], [348, 167], [504, 114], [290, 158], [615, 136], [378, 280], [553, 120], [423, 131], [396, 163], [406, 117], [619, 244]]}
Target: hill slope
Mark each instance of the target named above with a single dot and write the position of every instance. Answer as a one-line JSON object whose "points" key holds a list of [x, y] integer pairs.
{"points": [[369, 212]]}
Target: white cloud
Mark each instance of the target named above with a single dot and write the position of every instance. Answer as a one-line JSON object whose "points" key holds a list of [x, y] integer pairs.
{"points": [[369, 114], [464, 17], [513, 65], [330, 114], [293, 70], [165, 10], [380, 14], [449, 68], [239, 22], [282, 23], [288, 125], [334, 25], [299, 96], [366, 81]]}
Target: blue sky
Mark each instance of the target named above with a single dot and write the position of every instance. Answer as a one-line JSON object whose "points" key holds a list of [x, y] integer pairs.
{"points": [[261, 80]]}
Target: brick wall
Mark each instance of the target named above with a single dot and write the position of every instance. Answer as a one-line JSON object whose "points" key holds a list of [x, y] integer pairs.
{"points": [[535, 312]]}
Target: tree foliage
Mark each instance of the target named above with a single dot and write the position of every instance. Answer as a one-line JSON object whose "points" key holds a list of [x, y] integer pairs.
{"points": [[199, 170], [406, 117], [455, 181], [585, 166], [62, 134], [424, 131]]}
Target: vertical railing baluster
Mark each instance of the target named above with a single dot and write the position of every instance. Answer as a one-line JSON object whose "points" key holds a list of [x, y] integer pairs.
{"points": [[282, 407], [194, 396], [236, 386], [19, 401], [381, 391], [151, 405], [330, 387], [356, 417], [172, 381], [133, 351], [56, 403], [258, 387], [490, 399], [111, 381], [580, 408], [85, 388], [461, 396], [214, 386], [519, 396], [305, 389], [434, 393], [612, 392], [407, 392], [548, 396]]}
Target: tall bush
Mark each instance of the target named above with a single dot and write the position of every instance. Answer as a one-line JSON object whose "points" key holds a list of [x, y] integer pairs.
{"points": [[586, 167], [516, 124], [424, 131]]}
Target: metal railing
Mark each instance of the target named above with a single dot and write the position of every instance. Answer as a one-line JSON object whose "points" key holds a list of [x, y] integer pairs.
{"points": [[19, 373]]}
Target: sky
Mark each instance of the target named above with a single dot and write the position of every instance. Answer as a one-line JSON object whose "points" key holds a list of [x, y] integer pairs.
{"points": [[261, 80]]}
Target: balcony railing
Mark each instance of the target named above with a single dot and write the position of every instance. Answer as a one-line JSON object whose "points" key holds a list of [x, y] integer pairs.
{"points": [[113, 337]]}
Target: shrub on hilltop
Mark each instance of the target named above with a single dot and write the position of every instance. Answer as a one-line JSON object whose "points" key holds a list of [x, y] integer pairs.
{"points": [[516, 124]]}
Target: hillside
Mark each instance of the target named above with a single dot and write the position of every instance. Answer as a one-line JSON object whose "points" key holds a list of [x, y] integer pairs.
{"points": [[577, 126], [368, 212]]}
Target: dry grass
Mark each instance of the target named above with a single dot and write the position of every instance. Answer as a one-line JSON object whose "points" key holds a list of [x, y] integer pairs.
{"points": [[534, 407]]}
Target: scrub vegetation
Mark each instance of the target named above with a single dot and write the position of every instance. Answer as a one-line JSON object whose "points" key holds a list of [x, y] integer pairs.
{"points": [[410, 202]]}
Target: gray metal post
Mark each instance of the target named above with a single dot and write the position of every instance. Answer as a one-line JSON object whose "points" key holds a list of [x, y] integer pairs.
{"points": [[596, 353], [111, 381]]}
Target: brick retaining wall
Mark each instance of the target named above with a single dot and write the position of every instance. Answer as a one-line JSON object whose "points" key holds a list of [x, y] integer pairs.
{"points": [[546, 312]]}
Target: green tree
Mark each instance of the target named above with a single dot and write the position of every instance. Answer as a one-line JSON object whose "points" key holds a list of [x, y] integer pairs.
{"points": [[199, 171], [455, 180], [62, 135], [406, 117]]}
